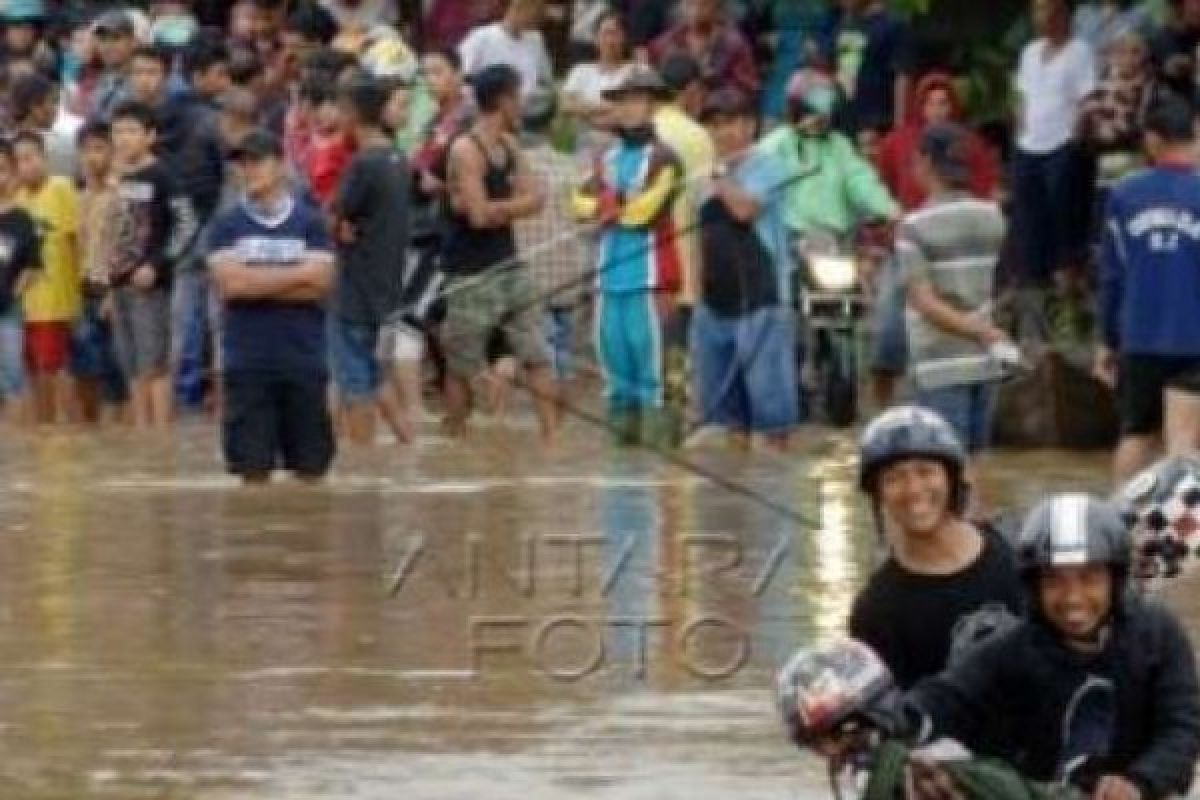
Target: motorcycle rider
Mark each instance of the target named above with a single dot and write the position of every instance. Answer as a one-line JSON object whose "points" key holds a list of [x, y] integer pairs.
{"points": [[831, 189], [834, 188], [941, 568], [1096, 687]]}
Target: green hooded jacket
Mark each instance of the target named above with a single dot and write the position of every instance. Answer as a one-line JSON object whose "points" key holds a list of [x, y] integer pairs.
{"points": [[832, 188]]}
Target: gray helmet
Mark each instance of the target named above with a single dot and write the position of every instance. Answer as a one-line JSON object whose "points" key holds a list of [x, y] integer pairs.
{"points": [[910, 432], [1161, 505], [1073, 529]]}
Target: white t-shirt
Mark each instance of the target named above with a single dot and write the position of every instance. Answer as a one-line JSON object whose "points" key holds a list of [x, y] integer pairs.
{"points": [[490, 45], [1051, 92], [588, 82], [365, 15]]}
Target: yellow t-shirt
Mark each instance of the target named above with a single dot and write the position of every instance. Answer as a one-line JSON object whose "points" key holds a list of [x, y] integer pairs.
{"points": [[56, 295], [691, 142]]}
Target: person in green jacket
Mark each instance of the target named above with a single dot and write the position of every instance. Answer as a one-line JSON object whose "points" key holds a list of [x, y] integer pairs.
{"points": [[833, 188]]}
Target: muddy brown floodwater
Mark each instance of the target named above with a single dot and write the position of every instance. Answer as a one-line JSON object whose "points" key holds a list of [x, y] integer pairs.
{"points": [[477, 620]]}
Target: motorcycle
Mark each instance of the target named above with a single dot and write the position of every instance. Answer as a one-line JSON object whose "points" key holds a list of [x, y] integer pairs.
{"points": [[831, 305], [839, 701]]}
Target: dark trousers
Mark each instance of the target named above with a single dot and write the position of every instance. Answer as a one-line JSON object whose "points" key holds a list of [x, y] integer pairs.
{"points": [[1051, 210]]}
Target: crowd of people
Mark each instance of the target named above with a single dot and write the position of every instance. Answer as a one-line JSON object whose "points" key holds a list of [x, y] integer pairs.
{"points": [[458, 206]]}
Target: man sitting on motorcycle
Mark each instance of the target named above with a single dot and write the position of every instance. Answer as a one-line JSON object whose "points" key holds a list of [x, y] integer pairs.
{"points": [[834, 189], [831, 190], [941, 568], [1097, 687]]}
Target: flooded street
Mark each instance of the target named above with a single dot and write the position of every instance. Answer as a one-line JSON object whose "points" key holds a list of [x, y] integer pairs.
{"points": [[449, 621]]}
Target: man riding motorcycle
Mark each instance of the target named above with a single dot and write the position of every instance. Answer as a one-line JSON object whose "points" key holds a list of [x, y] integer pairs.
{"points": [[1096, 688], [834, 189]]}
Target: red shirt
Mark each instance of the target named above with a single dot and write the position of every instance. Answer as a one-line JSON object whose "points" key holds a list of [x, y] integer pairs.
{"points": [[328, 157]]}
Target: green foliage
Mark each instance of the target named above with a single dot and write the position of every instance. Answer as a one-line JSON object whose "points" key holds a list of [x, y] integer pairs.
{"points": [[911, 8]]}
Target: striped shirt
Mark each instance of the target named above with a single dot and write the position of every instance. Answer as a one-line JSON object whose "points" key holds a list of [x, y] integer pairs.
{"points": [[954, 242]]}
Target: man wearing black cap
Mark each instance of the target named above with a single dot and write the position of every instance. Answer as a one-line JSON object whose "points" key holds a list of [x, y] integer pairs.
{"points": [[743, 335], [116, 42], [949, 249], [272, 263], [629, 195]]}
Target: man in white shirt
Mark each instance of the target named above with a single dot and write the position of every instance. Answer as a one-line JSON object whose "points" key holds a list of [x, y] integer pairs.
{"points": [[1050, 183], [514, 41]]}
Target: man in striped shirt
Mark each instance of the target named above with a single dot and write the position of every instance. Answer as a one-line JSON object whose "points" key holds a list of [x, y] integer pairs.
{"points": [[949, 248]]}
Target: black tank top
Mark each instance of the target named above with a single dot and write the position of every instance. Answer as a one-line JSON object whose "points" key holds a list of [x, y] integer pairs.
{"points": [[467, 250]]}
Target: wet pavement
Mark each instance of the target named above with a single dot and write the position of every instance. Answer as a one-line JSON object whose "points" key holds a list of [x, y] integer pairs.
{"points": [[454, 620]]}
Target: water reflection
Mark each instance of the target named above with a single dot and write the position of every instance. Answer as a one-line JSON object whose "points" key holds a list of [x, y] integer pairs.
{"points": [[163, 634]]}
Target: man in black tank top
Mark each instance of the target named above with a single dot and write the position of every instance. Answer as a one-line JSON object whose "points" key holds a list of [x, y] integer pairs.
{"points": [[490, 187]]}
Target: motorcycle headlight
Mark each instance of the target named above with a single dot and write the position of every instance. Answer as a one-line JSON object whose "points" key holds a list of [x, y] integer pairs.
{"points": [[833, 273]]}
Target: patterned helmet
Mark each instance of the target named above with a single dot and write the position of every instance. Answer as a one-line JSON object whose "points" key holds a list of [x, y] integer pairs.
{"points": [[820, 689], [1162, 507]]}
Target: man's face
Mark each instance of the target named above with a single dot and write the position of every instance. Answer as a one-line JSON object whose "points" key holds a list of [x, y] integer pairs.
{"points": [[634, 110], [870, 144], [96, 156], [115, 49], [938, 107], [261, 175], [213, 81], [395, 115], [1076, 600], [247, 22], [915, 495], [610, 38], [20, 37], [442, 78], [293, 50], [31, 164], [1049, 17], [700, 13], [147, 78], [131, 140], [233, 127], [731, 133], [510, 110]]}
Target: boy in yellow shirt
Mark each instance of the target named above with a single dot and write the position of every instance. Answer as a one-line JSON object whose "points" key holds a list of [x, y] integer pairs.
{"points": [[53, 301]]}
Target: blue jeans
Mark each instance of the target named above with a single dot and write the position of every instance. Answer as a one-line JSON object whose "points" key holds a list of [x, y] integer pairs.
{"points": [[558, 325], [12, 352], [93, 356], [968, 408], [354, 360], [190, 331], [745, 369]]}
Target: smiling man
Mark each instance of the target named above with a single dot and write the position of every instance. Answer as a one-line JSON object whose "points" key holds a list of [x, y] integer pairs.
{"points": [[1098, 685], [941, 568]]}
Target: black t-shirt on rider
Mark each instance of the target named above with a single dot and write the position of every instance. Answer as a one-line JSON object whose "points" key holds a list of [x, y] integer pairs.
{"points": [[909, 618]]}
